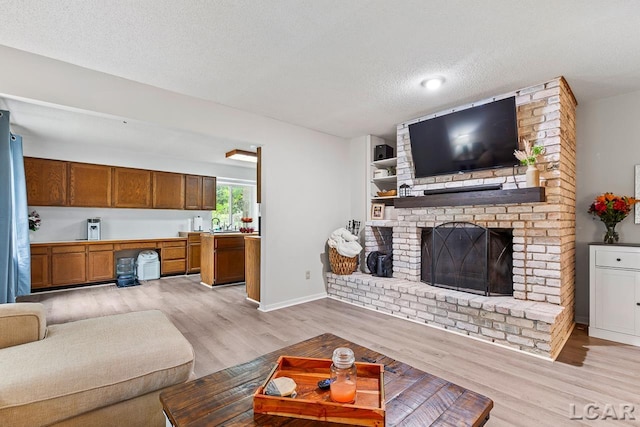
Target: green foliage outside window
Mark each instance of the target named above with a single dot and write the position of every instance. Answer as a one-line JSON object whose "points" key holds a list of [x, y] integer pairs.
{"points": [[232, 203]]}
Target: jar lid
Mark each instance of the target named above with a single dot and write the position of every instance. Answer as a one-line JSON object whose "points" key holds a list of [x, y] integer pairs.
{"points": [[343, 357]]}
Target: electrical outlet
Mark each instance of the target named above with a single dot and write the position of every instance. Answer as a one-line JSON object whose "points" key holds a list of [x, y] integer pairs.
{"points": [[307, 275]]}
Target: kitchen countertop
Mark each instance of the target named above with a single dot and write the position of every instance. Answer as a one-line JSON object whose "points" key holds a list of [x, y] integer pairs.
{"points": [[103, 242], [230, 234]]}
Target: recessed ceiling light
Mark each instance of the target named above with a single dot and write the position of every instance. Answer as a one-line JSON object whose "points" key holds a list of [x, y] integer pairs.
{"points": [[433, 83]]}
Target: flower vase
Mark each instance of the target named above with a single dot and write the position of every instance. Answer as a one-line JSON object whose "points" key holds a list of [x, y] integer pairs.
{"points": [[611, 236], [532, 176]]}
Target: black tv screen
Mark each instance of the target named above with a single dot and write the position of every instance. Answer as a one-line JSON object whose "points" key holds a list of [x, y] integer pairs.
{"points": [[481, 137]]}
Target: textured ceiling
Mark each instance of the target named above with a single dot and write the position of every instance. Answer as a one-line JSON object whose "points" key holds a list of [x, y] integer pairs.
{"points": [[346, 68], [68, 126]]}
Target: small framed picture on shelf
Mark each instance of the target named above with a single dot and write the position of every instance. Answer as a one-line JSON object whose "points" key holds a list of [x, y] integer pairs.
{"points": [[377, 210]]}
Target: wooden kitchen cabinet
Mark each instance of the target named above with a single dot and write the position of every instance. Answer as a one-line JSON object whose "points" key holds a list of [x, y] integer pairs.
{"points": [[168, 190], [86, 262], [89, 185], [60, 183], [252, 267], [193, 192], [229, 259], [40, 268], [131, 188], [193, 251], [200, 192], [100, 262], [209, 193], [222, 259], [173, 257], [46, 182], [68, 265], [193, 261]]}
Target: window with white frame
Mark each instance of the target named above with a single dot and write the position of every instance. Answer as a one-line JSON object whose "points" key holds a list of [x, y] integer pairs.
{"points": [[233, 202]]}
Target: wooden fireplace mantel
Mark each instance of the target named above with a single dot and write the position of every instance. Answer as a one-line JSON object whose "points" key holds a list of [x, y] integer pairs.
{"points": [[471, 198]]}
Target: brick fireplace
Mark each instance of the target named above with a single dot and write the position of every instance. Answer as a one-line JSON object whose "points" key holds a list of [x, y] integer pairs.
{"points": [[538, 318]]}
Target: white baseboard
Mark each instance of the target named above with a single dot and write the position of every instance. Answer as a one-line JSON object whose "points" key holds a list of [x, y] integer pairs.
{"points": [[291, 302]]}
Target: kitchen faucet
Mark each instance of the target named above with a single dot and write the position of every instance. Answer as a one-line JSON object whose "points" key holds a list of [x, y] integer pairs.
{"points": [[212, 223]]}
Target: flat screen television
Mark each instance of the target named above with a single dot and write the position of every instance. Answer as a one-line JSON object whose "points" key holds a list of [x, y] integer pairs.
{"points": [[481, 137]]}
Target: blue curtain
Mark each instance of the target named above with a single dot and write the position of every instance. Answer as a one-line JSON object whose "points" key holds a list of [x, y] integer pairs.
{"points": [[15, 262]]}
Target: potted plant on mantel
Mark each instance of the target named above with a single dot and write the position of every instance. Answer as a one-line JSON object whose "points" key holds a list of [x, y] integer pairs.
{"points": [[528, 157]]}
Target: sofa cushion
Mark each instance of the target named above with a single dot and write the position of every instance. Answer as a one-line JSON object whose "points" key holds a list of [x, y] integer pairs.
{"points": [[21, 323], [88, 364]]}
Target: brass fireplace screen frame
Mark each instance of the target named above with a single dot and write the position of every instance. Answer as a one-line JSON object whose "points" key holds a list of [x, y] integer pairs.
{"points": [[468, 257]]}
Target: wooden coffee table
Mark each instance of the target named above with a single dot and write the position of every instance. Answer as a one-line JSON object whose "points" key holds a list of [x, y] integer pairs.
{"points": [[413, 397]]}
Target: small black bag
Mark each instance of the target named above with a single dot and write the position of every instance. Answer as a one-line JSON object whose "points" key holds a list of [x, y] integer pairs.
{"points": [[380, 264]]}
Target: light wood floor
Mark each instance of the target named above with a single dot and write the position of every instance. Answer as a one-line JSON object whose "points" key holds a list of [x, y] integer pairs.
{"points": [[225, 330]]}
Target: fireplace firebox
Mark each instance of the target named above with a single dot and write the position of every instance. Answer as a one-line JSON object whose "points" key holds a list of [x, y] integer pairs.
{"points": [[468, 257]]}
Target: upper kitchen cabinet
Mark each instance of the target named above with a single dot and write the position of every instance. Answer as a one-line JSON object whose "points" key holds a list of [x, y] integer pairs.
{"points": [[46, 182], [60, 183], [89, 185], [193, 192], [168, 190], [209, 193], [131, 188], [200, 192]]}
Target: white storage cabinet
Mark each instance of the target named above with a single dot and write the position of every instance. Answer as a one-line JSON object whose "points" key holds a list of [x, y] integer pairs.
{"points": [[614, 293]]}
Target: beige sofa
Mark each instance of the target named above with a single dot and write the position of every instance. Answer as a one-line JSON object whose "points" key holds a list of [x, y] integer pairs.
{"points": [[106, 371]]}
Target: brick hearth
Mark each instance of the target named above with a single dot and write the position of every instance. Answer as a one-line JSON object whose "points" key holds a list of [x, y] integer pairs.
{"points": [[524, 325], [539, 316]]}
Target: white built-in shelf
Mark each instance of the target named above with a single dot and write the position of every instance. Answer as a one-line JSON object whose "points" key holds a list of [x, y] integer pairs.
{"points": [[382, 164], [385, 179]]}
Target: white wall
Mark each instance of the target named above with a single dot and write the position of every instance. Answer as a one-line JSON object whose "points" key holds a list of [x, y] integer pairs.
{"points": [[608, 148], [304, 172], [359, 190], [62, 224], [358, 171], [305, 196]]}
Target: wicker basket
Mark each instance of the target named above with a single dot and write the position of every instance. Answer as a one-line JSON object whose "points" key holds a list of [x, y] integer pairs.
{"points": [[341, 264]]}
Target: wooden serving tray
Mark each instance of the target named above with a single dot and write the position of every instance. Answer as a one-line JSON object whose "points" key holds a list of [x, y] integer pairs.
{"points": [[315, 404]]}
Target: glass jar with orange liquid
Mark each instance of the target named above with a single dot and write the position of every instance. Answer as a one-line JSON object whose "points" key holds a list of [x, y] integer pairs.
{"points": [[343, 376]]}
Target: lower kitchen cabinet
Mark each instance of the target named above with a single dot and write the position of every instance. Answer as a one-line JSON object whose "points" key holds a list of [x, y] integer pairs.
{"points": [[614, 285], [40, 268], [173, 255], [222, 259], [193, 251], [193, 260], [68, 265], [55, 265], [100, 262], [229, 260]]}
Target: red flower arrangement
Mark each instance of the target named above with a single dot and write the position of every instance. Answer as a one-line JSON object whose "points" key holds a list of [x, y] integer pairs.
{"points": [[611, 209]]}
